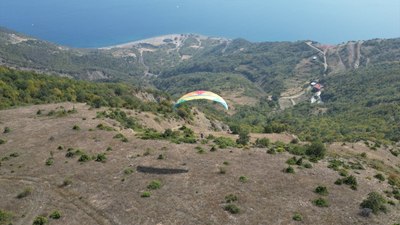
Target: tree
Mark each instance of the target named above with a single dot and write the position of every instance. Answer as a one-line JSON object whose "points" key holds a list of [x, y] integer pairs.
{"points": [[317, 149], [244, 138]]}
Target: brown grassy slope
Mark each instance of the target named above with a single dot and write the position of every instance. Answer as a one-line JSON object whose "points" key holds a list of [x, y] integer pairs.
{"points": [[101, 193]]}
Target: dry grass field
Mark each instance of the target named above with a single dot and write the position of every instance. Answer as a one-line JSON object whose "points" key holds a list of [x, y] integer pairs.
{"points": [[193, 185]]}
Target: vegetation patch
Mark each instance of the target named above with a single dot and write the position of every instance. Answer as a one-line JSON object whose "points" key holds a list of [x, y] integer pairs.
{"points": [[224, 142], [375, 202], [55, 215], [350, 180], [321, 202], [232, 208], [40, 220], [322, 190], [101, 126], [155, 184], [297, 217], [231, 198], [380, 177], [145, 194], [101, 157], [243, 179], [26, 192], [49, 161], [289, 170], [5, 217], [6, 130], [128, 171], [262, 143]]}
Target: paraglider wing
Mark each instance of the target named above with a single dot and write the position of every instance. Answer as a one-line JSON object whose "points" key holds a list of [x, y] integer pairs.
{"points": [[202, 95]]}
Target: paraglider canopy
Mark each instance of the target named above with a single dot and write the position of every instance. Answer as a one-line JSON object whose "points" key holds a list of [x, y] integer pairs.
{"points": [[202, 95]]}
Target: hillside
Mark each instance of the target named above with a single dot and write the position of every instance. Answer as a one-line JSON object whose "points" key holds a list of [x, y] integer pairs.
{"points": [[44, 171], [276, 68], [92, 136]]}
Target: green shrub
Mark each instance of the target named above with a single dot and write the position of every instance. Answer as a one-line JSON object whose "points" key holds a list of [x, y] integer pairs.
{"points": [[307, 165], [244, 138], [316, 150], [84, 158], [226, 163], [109, 148], [297, 217], [128, 171], [101, 157], [5, 217], [299, 162], [76, 127], [49, 161], [2, 141], [199, 149], [14, 154], [375, 202], [40, 220], [289, 170], [380, 177], [262, 143], [60, 147], [222, 170], [155, 184], [271, 151], [161, 157], [343, 173], [213, 148], [339, 181], [320, 202], [119, 135], [66, 182], [6, 130], [297, 149], [232, 208], [101, 126], [350, 180], [322, 190], [243, 179], [292, 161], [230, 198], [335, 164], [224, 142], [145, 194], [55, 215], [26, 192], [356, 166], [394, 180]]}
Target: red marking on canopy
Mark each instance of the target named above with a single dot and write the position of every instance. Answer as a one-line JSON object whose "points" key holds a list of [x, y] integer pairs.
{"points": [[200, 92]]}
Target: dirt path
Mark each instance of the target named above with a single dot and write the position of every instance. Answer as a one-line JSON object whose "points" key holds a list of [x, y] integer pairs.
{"points": [[42, 185], [323, 54], [358, 55], [292, 97]]}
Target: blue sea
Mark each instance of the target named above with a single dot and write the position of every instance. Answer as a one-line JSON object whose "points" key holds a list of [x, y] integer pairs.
{"points": [[98, 23]]}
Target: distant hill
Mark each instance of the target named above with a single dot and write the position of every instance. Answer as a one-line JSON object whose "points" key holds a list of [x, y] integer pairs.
{"points": [[263, 82], [275, 67]]}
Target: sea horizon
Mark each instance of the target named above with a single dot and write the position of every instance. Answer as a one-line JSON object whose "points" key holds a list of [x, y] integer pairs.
{"points": [[96, 24]]}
